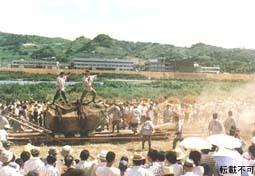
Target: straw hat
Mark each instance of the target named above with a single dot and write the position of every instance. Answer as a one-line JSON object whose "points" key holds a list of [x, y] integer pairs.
{"points": [[6, 156], [102, 155], [35, 150], [138, 157], [189, 163], [28, 147], [66, 150], [180, 154]]}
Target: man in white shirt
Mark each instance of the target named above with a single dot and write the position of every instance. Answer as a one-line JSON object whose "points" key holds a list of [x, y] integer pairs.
{"points": [[4, 134], [34, 163], [108, 169], [50, 169], [137, 169], [116, 115], [5, 169], [60, 87], [146, 132], [171, 158], [84, 164], [87, 83], [215, 126]]}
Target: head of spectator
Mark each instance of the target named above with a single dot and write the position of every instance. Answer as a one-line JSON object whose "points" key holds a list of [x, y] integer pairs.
{"points": [[215, 116], [110, 158], [20, 162], [188, 165], [6, 157], [33, 173], [25, 156], [52, 151], [51, 159], [161, 156], [138, 159], [171, 157], [123, 165], [102, 156], [84, 155], [195, 156], [66, 150], [152, 155], [251, 151], [230, 113], [124, 158], [35, 152], [69, 161]]}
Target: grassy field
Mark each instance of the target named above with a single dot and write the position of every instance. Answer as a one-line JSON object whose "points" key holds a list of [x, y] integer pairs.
{"points": [[141, 74]]}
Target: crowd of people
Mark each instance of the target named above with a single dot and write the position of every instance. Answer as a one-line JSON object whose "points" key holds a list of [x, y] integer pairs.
{"points": [[175, 162]]}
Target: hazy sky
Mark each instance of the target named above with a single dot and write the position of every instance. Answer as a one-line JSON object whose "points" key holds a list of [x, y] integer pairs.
{"points": [[226, 23]]}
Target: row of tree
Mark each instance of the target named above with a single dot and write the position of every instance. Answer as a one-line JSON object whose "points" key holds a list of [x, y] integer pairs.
{"points": [[14, 46]]}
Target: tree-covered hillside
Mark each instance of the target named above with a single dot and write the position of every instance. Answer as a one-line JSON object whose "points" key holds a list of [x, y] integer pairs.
{"points": [[13, 46]]}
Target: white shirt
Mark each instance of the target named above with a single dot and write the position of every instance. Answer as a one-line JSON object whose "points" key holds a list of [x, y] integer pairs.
{"points": [[86, 166], [190, 174], [88, 81], [199, 170], [8, 171], [107, 171], [60, 84], [177, 168], [138, 171], [147, 128], [33, 164], [3, 135], [50, 170]]}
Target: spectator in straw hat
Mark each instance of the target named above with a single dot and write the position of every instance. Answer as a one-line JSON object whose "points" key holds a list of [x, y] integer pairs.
{"points": [[188, 168], [87, 83], [65, 151], [101, 162], [108, 169], [137, 169], [34, 163], [5, 169], [60, 87], [4, 134]]}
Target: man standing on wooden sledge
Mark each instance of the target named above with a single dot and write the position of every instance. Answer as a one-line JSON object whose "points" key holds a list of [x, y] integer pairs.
{"points": [[87, 83], [60, 87]]}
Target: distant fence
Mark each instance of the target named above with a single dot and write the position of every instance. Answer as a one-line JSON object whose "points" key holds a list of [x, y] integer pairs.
{"points": [[149, 75]]}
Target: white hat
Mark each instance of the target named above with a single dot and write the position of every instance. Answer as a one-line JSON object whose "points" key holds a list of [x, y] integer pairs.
{"points": [[66, 150], [180, 154], [6, 156], [102, 155], [7, 126], [253, 140]]}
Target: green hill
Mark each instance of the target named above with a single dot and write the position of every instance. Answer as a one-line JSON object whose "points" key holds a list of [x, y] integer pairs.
{"points": [[13, 46]]}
